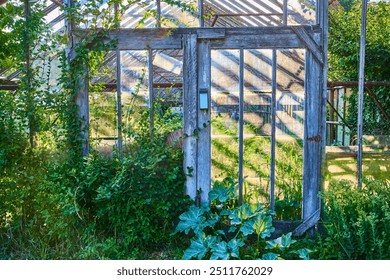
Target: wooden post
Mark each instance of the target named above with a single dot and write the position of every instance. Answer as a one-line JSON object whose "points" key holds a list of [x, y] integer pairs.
{"points": [[204, 117], [29, 89], [313, 136], [315, 122], [119, 103], [81, 88], [82, 102], [190, 109]]}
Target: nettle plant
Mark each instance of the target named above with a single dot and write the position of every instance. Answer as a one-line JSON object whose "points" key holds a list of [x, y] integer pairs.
{"points": [[224, 230]]}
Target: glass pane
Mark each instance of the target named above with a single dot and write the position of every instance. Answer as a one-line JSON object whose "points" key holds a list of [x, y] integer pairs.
{"points": [[257, 124], [134, 87], [224, 113], [168, 94], [289, 133]]}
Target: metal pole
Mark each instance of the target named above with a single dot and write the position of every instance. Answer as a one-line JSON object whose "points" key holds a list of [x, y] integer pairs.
{"points": [[201, 13], [273, 130], [285, 12], [241, 129], [158, 3], [151, 95], [361, 92]]}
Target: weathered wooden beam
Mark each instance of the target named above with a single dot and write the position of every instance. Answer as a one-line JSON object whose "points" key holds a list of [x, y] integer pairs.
{"points": [[190, 114], [313, 135], [262, 37], [307, 223], [332, 84], [204, 117], [309, 42], [238, 37], [211, 33]]}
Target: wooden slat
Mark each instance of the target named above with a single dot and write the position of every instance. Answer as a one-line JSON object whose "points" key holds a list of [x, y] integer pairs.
{"points": [[204, 140], [190, 112]]}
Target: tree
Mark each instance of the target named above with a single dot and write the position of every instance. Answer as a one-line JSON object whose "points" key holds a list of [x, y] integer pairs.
{"points": [[344, 37]]}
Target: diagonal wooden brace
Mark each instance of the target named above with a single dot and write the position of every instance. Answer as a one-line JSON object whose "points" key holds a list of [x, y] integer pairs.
{"points": [[310, 43]]}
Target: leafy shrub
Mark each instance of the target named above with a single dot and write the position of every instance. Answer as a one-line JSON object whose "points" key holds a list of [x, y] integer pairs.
{"points": [[357, 221], [226, 230]]}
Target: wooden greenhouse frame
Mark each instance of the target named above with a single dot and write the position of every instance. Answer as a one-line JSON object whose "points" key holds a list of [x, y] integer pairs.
{"points": [[196, 44]]}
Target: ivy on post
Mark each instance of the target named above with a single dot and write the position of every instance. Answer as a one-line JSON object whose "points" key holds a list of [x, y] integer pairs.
{"points": [[79, 75]]}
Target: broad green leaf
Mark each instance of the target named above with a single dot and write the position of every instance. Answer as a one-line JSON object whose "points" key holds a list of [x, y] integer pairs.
{"points": [[283, 242], [220, 251], [234, 247], [241, 214], [225, 212], [199, 247], [192, 219], [263, 225], [304, 253], [270, 256], [247, 228], [221, 192]]}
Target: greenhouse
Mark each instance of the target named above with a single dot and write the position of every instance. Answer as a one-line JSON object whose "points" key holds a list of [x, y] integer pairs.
{"points": [[133, 125]]}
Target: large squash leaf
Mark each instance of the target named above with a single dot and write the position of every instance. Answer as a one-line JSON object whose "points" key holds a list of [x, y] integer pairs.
{"points": [[192, 219], [283, 242], [199, 247], [263, 225]]}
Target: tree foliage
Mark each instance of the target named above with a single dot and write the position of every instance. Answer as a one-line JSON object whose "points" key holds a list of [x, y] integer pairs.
{"points": [[344, 39]]}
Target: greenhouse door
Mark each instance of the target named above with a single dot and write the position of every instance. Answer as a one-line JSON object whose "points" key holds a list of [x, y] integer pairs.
{"points": [[245, 112]]}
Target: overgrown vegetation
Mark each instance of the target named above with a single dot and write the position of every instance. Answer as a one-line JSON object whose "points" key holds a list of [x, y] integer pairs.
{"points": [[225, 230], [357, 221]]}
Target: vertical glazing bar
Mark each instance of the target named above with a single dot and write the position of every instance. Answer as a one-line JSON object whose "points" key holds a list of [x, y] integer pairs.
{"points": [[361, 93], [285, 12], [119, 103], [201, 13], [158, 4], [273, 130], [241, 129], [150, 86]]}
